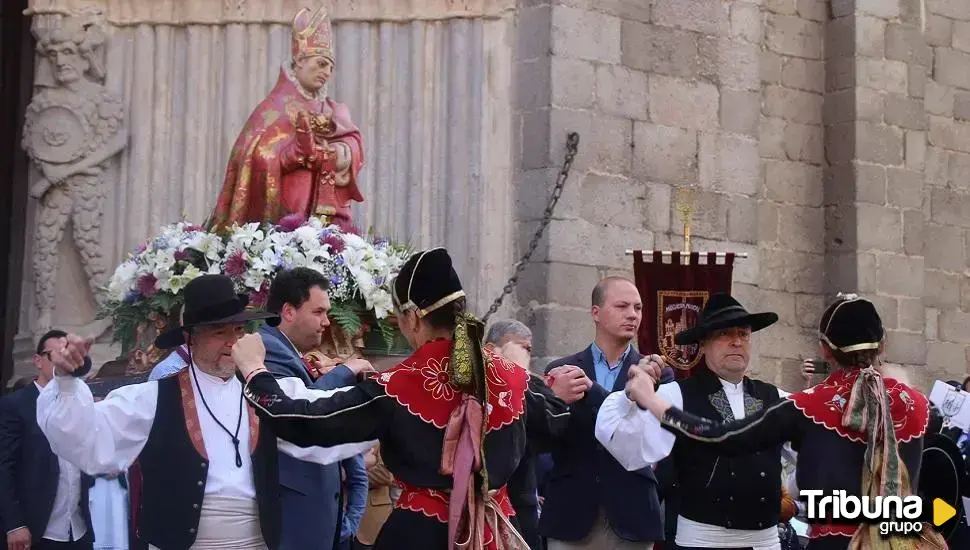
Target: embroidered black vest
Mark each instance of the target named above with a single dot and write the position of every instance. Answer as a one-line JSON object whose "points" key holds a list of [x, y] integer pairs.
{"points": [[175, 467], [737, 493]]}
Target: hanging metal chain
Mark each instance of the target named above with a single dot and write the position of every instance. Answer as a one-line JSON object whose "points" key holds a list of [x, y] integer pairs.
{"points": [[572, 146]]}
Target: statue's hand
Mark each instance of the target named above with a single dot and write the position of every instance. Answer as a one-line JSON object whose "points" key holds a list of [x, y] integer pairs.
{"points": [[39, 188], [304, 137], [54, 173]]}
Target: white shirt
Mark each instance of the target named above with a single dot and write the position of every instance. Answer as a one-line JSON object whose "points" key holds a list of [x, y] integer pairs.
{"points": [[66, 523], [106, 437], [636, 439]]}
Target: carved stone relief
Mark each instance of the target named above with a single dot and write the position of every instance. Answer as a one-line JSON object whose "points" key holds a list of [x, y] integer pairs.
{"points": [[73, 127], [220, 12]]}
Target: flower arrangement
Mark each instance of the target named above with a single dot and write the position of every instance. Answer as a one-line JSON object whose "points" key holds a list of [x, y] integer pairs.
{"points": [[148, 285]]}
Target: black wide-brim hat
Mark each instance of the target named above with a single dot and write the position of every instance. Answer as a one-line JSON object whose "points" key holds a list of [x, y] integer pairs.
{"points": [[942, 475], [723, 311], [212, 300]]}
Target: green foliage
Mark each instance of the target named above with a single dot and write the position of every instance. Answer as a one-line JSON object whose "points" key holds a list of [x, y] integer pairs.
{"points": [[388, 332], [348, 316]]}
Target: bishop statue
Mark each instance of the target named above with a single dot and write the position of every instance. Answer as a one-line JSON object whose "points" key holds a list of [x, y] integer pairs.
{"points": [[299, 152]]}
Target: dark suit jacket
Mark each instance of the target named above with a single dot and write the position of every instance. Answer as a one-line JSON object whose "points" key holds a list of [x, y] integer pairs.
{"points": [[28, 468], [585, 478], [310, 493]]}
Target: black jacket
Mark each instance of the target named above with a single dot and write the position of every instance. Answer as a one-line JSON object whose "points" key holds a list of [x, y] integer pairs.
{"points": [[585, 477], [29, 470]]}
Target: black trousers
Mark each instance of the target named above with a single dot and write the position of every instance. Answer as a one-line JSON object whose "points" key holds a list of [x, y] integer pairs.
{"points": [[84, 543]]}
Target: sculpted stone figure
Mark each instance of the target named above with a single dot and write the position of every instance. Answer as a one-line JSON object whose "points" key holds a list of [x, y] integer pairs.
{"points": [[73, 127], [299, 152]]}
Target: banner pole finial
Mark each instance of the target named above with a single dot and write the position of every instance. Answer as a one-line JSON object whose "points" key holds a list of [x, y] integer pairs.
{"points": [[684, 203]]}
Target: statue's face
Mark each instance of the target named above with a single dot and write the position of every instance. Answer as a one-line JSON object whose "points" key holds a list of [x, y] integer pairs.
{"points": [[313, 72], [69, 65]]}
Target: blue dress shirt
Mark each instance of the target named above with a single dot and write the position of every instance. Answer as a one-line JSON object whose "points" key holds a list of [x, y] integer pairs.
{"points": [[606, 374]]}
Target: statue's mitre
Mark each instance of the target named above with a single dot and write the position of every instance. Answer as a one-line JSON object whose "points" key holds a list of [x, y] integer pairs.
{"points": [[311, 34]]}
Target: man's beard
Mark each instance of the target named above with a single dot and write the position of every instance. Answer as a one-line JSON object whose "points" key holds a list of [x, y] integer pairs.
{"points": [[220, 369]]}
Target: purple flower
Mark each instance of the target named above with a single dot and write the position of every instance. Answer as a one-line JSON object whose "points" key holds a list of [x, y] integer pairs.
{"points": [[335, 242], [346, 227], [146, 285], [180, 255], [290, 222], [235, 264], [258, 299], [335, 280]]}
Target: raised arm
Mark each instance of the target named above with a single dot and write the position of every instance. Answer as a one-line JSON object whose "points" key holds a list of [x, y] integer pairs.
{"points": [[327, 418], [99, 438], [320, 453], [768, 428], [632, 435]]}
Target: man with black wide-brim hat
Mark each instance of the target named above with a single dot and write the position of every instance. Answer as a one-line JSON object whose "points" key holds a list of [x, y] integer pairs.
{"points": [[726, 502], [209, 468]]}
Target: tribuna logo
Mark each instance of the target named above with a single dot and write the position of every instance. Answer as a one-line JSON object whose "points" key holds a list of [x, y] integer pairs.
{"points": [[894, 515]]}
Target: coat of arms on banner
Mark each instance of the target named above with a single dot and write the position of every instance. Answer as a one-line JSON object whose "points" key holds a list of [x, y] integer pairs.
{"points": [[678, 310]]}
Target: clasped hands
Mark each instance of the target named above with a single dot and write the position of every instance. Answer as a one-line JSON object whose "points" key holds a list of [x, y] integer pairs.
{"points": [[569, 383], [312, 146], [642, 379]]}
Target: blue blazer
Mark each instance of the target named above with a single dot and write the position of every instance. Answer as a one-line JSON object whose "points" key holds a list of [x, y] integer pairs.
{"points": [[586, 478], [309, 492], [29, 469]]}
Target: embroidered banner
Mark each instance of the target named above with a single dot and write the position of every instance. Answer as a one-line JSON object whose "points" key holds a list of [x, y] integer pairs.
{"points": [[674, 292]]}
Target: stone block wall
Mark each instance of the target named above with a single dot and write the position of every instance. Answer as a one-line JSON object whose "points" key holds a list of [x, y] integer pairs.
{"points": [[946, 198], [791, 236], [830, 140]]}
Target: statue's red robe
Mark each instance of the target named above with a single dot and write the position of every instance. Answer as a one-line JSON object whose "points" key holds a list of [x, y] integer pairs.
{"points": [[266, 180]]}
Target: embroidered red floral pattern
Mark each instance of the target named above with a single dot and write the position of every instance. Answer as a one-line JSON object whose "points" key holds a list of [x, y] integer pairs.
{"points": [[436, 380], [433, 503], [825, 404], [421, 385]]}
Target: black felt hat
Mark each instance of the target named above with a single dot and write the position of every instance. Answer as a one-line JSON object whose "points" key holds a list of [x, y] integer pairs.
{"points": [[427, 282], [212, 300], [851, 324], [723, 311]]}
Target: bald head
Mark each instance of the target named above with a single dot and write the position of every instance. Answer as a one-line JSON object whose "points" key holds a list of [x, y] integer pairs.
{"points": [[603, 287], [616, 309]]}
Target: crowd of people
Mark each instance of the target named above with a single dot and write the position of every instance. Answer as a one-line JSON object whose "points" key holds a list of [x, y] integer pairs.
{"points": [[239, 441]]}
